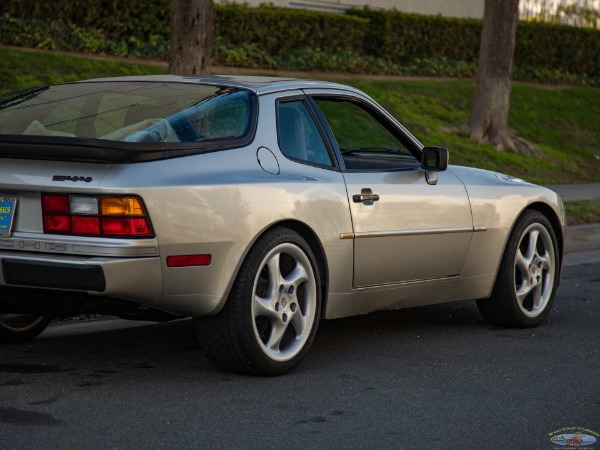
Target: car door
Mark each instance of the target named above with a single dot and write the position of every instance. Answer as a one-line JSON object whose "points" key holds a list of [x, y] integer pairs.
{"points": [[404, 229]]}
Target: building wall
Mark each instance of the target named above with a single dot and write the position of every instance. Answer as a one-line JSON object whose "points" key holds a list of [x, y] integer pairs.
{"points": [[448, 8]]}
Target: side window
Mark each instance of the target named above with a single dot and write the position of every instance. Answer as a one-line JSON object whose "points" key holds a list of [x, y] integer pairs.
{"points": [[299, 137], [364, 141]]}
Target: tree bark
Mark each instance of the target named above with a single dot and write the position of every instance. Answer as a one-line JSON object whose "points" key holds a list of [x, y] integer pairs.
{"points": [[489, 116], [191, 36]]}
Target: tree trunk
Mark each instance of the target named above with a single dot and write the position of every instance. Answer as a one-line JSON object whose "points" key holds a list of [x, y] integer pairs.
{"points": [[191, 36], [489, 116]]}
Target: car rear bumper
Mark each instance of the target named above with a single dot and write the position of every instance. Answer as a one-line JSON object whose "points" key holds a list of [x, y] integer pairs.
{"points": [[135, 279], [53, 275]]}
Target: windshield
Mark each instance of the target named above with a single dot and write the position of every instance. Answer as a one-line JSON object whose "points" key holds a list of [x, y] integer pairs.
{"points": [[130, 112]]}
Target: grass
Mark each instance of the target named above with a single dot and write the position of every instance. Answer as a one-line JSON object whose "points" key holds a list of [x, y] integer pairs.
{"points": [[561, 121], [25, 68], [583, 211]]}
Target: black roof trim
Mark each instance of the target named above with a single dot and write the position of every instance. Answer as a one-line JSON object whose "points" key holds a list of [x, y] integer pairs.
{"points": [[58, 148]]}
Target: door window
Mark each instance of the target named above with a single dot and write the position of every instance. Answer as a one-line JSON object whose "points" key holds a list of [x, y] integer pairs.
{"points": [[365, 141]]}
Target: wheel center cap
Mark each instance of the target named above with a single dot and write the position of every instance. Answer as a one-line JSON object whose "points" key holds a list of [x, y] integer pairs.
{"points": [[284, 302]]}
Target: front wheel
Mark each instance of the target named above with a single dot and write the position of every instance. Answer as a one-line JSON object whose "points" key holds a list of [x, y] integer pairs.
{"points": [[272, 313], [528, 276], [15, 328]]}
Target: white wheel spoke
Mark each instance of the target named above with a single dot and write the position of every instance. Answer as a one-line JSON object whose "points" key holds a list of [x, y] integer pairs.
{"points": [[299, 322], [523, 292], [532, 244], [521, 263], [297, 276], [537, 296], [274, 274], [264, 307], [276, 335]]}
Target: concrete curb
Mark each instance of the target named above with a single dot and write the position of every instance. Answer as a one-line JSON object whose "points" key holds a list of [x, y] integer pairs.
{"points": [[582, 237]]}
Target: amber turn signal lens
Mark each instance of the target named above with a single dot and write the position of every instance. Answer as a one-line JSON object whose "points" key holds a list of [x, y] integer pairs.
{"points": [[121, 206]]}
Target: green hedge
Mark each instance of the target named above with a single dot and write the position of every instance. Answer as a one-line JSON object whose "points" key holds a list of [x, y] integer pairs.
{"points": [[404, 37], [363, 40], [275, 30], [68, 36], [281, 30], [558, 47], [118, 19]]}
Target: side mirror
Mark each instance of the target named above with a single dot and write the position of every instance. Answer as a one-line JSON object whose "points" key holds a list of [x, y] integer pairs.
{"points": [[434, 160]]}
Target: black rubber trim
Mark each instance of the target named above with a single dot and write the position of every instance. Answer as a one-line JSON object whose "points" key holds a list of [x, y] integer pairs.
{"points": [[53, 275], [58, 148]]}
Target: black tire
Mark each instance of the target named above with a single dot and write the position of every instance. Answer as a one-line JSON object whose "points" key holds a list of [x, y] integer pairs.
{"points": [[16, 328], [268, 323], [527, 280]]}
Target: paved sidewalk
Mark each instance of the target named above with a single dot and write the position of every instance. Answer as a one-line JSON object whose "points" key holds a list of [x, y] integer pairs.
{"points": [[580, 237]]}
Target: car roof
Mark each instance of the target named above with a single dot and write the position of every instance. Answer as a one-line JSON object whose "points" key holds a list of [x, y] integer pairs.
{"points": [[259, 85]]}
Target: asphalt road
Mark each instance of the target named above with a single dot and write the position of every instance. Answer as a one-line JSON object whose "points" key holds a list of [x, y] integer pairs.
{"points": [[426, 378]]}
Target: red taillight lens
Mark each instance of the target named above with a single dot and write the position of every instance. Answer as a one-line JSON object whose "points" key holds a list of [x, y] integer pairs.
{"points": [[57, 224], [85, 225], [93, 215], [55, 203], [118, 226]]}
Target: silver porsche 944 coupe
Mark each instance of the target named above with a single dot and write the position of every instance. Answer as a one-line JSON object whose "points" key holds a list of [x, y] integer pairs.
{"points": [[257, 206]]}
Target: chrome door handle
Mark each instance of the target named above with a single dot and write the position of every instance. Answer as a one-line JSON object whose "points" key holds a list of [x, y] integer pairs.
{"points": [[361, 198]]}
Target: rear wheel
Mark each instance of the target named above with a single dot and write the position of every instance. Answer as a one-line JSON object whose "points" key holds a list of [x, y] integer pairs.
{"points": [[272, 313], [528, 277], [15, 328]]}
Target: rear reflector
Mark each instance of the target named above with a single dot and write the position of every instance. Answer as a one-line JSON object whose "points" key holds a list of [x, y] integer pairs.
{"points": [[188, 260]]}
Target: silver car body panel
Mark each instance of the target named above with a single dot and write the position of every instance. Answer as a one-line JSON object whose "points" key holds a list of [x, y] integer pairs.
{"points": [[497, 200], [404, 236], [420, 244]]}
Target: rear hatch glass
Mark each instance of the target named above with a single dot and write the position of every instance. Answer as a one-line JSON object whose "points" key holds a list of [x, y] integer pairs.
{"points": [[175, 115]]}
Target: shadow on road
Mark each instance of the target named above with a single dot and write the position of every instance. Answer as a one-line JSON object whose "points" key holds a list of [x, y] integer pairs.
{"points": [[97, 349]]}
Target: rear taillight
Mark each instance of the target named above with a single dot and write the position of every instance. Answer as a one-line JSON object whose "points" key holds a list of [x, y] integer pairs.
{"points": [[95, 215]]}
